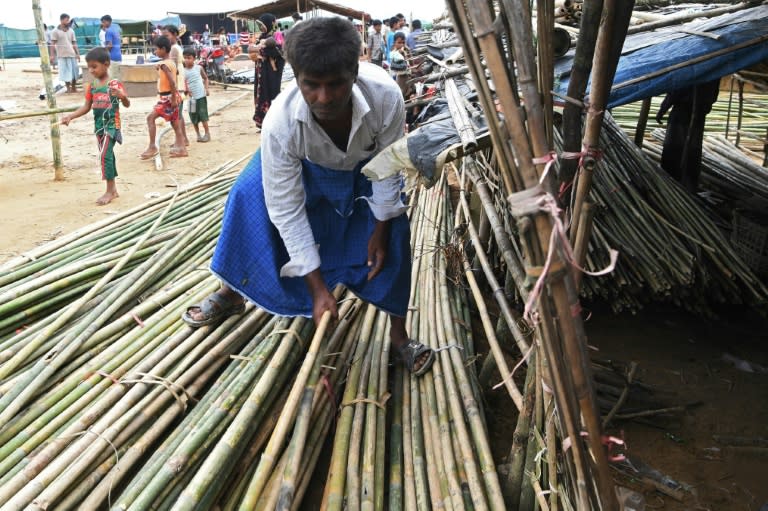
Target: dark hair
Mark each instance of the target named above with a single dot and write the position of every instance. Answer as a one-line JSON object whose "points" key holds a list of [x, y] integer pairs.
{"points": [[188, 52], [269, 21], [63, 16], [393, 21], [399, 35], [306, 46], [400, 15], [376, 22], [173, 29], [164, 43], [98, 54], [106, 17], [416, 24]]}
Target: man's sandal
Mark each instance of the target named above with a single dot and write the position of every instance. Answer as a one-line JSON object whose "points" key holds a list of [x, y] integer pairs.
{"points": [[410, 354], [214, 309]]}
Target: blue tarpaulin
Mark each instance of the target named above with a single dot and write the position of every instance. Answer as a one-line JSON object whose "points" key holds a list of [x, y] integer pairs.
{"points": [[742, 38]]}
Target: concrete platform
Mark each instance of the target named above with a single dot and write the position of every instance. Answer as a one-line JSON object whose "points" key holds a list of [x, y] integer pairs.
{"points": [[140, 80]]}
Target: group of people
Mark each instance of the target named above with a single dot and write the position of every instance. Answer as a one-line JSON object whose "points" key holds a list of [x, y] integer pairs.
{"points": [[65, 55], [177, 74], [390, 45], [301, 217]]}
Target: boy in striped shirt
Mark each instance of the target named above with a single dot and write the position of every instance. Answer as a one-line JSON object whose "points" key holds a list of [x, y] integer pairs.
{"points": [[197, 92]]}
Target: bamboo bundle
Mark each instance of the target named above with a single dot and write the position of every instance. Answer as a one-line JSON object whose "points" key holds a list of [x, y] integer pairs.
{"points": [[677, 255], [141, 412], [567, 12], [439, 452], [728, 175]]}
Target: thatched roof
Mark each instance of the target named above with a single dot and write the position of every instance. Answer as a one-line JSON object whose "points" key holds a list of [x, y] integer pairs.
{"points": [[283, 8]]}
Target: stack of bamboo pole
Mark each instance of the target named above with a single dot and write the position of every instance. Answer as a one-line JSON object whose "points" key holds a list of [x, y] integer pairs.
{"points": [[727, 173], [722, 120], [109, 400], [501, 44], [671, 248], [438, 455], [568, 12]]}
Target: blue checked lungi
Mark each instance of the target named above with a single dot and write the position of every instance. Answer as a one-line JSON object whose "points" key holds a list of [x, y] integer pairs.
{"points": [[250, 252]]}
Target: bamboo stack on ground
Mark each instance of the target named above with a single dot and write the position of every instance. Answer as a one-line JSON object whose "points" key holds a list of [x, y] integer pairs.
{"points": [[641, 209], [439, 453], [722, 120], [142, 411]]}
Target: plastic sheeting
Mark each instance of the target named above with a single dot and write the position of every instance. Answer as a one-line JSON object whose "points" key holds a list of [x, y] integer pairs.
{"points": [[641, 58]]}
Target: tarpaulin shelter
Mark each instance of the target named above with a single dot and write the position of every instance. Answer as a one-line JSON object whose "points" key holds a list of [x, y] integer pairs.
{"points": [[196, 21], [284, 8], [18, 43], [653, 63]]}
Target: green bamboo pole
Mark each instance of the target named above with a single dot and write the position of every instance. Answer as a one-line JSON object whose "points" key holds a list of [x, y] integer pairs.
{"points": [[337, 474], [371, 434], [37, 113], [267, 461], [11, 403]]}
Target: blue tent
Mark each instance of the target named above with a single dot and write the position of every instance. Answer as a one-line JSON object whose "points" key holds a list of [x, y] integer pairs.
{"points": [[648, 60]]}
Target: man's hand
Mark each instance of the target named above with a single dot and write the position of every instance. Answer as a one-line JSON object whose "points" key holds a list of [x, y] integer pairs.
{"points": [[377, 248], [322, 299], [65, 120]]}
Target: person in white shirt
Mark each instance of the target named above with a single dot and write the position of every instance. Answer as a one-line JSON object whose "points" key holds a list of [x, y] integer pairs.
{"points": [[301, 217]]}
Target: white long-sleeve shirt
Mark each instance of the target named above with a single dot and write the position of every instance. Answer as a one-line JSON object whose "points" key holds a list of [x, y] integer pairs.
{"points": [[290, 134]]}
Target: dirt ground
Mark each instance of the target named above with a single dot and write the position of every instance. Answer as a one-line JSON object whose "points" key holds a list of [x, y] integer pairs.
{"points": [[35, 208], [679, 355]]}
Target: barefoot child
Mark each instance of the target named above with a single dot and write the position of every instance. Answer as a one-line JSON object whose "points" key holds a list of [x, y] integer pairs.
{"points": [[104, 96], [197, 90], [167, 105]]}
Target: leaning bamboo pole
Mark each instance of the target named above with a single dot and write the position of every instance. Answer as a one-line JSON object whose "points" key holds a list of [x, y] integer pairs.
{"points": [[50, 96], [610, 40], [542, 244], [577, 86]]}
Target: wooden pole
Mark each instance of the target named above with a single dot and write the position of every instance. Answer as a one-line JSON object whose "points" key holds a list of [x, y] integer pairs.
{"points": [[577, 86], [613, 29], [45, 65], [642, 122]]}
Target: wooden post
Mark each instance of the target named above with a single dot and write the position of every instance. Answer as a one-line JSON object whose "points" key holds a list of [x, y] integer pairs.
{"points": [[50, 95], [610, 39], [642, 122]]}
